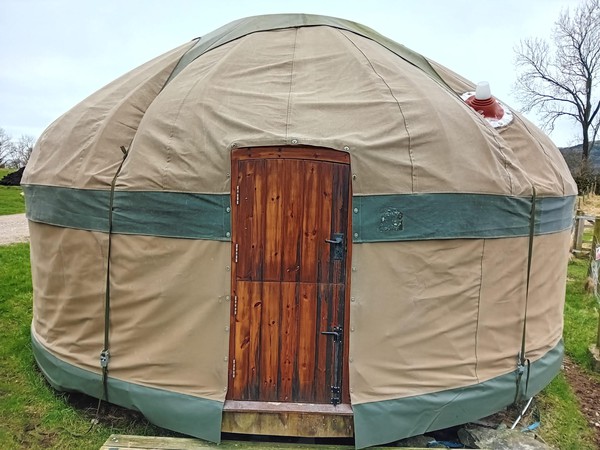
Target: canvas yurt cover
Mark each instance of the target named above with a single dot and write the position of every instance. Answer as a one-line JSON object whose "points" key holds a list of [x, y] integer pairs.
{"points": [[294, 225]]}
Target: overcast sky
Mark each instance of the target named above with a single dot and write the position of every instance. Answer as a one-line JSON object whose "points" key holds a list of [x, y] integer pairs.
{"points": [[54, 53]]}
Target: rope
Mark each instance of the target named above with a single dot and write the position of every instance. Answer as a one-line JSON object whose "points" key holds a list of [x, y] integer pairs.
{"points": [[522, 361], [105, 354]]}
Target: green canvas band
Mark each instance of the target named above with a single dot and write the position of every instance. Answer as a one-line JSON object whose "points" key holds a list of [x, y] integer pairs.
{"points": [[390, 420], [374, 423], [375, 218], [167, 214], [195, 416], [412, 217]]}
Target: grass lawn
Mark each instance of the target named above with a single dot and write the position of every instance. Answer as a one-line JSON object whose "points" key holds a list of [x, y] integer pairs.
{"points": [[34, 416], [11, 200]]}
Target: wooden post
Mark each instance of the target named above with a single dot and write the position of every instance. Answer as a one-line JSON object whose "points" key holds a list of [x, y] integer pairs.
{"points": [[591, 284], [598, 336], [579, 227], [596, 238], [596, 244]]}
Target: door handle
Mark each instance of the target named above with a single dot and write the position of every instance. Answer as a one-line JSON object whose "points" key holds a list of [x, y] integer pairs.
{"points": [[336, 333], [338, 249]]}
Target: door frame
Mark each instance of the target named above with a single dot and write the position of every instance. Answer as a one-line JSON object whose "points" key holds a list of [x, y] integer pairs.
{"points": [[305, 153]]}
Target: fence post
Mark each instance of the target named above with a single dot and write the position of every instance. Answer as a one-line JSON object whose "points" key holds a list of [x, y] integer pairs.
{"points": [[593, 278], [591, 284], [579, 226], [598, 336]]}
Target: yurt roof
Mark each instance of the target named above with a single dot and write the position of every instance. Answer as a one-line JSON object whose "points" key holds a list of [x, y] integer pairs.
{"points": [[285, 80], [243, 27]]}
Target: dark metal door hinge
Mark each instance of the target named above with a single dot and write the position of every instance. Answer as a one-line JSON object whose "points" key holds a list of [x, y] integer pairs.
{"points": [[338, 355]]}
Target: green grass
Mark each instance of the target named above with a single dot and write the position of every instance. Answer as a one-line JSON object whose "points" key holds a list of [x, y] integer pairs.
{"points": [[11, 200], [581, 315], [34, 416], [563, 425]]}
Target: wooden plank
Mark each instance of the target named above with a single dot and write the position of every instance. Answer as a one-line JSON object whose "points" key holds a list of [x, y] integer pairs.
{"points": [[273, 220], [324, 347], [289, 340], [339, 221], [269, 341], [288, 407], [257, 243], [292, 220], [307, 299], [239, 385], [295, 152], [129, 442], [242, 231], [288, 424], [313, 177], [254, 348], [325, 229], [120, 441]]}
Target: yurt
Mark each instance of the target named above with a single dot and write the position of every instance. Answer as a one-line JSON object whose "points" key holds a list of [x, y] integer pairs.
{"points": [[296, 226]]}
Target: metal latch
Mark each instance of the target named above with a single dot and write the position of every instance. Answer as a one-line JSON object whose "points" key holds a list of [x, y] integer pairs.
{"points": [[338, 243], [338, 354]]}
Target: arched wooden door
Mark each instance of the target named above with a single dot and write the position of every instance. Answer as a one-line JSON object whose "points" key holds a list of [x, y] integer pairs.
{"points": [[291, 242]]}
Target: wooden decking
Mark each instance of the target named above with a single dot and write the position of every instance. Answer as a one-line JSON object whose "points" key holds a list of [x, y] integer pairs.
{"points": [[122, 442], [288, 419]]}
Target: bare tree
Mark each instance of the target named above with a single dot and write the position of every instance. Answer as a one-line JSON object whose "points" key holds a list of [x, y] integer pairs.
{"points": [[560, 79], [21, 150], [15, 154], [5, 148]]}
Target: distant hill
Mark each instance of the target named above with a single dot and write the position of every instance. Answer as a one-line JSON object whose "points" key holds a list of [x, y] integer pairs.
{"points": [[572, 155]]}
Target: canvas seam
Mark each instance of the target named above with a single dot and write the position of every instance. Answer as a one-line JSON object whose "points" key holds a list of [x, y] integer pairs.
{"points": [[289, 105], [537, 141], [479, 313], [168, 147], [413, 176], [505, 161]]}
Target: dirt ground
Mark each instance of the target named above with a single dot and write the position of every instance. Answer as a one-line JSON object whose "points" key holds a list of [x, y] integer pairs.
{"points": [[587, 391]]}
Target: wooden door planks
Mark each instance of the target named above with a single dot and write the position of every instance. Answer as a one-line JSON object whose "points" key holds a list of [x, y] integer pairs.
{"points": [[287, 286]]}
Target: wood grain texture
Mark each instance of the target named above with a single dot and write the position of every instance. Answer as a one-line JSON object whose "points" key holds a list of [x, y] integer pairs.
{"points": [[289, 287]]}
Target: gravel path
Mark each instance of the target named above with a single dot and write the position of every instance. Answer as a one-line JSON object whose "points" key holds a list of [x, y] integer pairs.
{"points": [[13, 228]]}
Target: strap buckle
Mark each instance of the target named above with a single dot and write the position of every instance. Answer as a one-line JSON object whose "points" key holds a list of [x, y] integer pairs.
{"points": [[104, 357]]}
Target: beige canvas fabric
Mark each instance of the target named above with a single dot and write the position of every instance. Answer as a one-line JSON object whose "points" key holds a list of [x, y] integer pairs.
{"points": [[81, 149], [450, 315], [190, 293], [351, 93], [426, 316], [414, 331], [504, 269], [534, 150], [348, 93], [453, 324], [68, 310]]}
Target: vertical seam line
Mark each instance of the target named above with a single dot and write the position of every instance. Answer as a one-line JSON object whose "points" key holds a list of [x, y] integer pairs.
{"points": [[289, 105], [479, 314], [410, 152]]}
